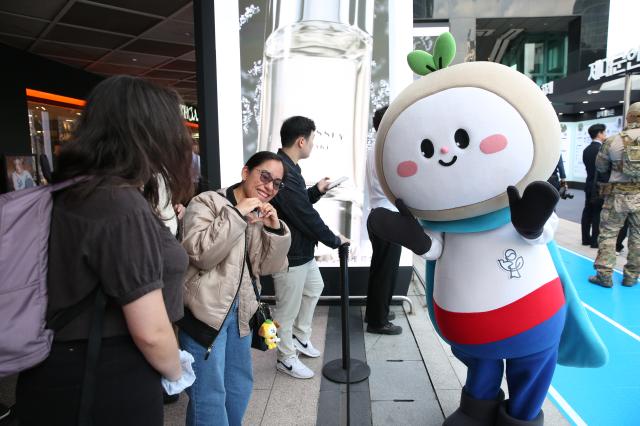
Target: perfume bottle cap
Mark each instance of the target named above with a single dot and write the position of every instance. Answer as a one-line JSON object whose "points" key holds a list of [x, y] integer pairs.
{"points": [[358, 13]]}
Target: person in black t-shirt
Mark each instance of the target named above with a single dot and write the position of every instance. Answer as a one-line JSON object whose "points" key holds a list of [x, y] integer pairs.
{"points": [[106, 234]]}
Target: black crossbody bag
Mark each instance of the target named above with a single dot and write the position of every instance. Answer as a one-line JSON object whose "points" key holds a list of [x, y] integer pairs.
{"points": [[262, 314]]}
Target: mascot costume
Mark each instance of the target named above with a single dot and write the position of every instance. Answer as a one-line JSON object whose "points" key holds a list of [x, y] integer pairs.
{"points": [[455, 150]]}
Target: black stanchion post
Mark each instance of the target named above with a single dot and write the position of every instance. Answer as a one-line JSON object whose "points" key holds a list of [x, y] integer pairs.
{"points": [[345, 370], [343, 253]]}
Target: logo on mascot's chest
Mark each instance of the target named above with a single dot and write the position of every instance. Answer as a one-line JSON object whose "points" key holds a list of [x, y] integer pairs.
{"points": [[512, 263]]}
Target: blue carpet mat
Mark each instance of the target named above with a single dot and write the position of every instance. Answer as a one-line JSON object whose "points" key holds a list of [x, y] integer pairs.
{"points": [[607, 395]]}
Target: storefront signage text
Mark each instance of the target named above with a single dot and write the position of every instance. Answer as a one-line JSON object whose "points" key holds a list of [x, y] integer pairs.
{"points": [[618, 64], [606, 113], [189, 113], [547, 88]]}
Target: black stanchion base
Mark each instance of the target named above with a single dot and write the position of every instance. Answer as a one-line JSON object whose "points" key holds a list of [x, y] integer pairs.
{"points": [[333, 371]]}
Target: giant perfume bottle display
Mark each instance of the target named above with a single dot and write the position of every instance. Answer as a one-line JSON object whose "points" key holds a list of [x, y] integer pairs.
{"points": [[317, 63]]}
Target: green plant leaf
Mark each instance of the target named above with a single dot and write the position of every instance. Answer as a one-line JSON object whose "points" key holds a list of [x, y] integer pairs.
{"points": [[421, 62], [444, 50]]}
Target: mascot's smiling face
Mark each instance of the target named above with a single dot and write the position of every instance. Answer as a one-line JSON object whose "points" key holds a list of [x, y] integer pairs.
{"points": [[452, 142]]}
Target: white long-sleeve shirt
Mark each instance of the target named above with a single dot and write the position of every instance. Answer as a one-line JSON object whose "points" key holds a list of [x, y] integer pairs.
{"points": [[376, 195]]}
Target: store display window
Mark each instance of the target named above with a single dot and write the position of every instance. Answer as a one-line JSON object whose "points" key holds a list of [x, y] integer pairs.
{"points": [[51, 121]]}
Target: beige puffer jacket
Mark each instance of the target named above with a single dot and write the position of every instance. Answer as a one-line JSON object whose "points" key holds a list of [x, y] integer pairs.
{"points": [[215, 237]]}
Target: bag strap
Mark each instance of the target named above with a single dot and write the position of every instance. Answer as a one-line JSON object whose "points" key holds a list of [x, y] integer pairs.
{"points": [[253, 279], [91, 364], [94, 342], [67, 183], [64, 317]]}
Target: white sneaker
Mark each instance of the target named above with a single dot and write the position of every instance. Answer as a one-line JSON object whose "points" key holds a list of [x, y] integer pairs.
{"points": [[306, 348], [294, 367]]}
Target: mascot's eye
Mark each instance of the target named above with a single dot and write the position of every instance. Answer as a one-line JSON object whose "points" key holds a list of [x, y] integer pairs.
{"points": [[427, 148], [462, 138]]}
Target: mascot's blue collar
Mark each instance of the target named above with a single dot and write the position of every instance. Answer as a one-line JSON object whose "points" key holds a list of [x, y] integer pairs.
{"points": [[482, 223]]}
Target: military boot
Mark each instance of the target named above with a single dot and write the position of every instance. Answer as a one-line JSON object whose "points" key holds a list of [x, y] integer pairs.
{"points": [[504, 419], [627, 281], [601, 280], [475, 412]]}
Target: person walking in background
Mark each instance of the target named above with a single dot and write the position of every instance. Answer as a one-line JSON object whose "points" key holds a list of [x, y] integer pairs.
{"points": [[621, 203], [232, 236], [558, 177], [196, 172], [385, 258], [106, 235], [298, 289], [621, 236], [590, 221]]}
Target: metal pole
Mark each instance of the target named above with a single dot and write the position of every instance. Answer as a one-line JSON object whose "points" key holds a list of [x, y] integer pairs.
{"points": [[343, 253], [206, 70], [626, 98], [327, 298], [345, 370]]}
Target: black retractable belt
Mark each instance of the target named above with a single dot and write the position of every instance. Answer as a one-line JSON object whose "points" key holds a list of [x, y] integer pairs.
{"points": [[345, 370]]}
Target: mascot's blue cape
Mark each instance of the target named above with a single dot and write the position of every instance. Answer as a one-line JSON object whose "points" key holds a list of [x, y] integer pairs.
{"points": [[580, 344]]}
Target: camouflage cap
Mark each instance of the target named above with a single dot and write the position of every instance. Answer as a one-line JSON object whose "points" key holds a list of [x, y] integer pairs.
{"points": [[633, 113]]}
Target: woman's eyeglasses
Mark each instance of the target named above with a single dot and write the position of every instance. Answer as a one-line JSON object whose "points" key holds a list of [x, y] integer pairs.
{"points": [[265, 177]]}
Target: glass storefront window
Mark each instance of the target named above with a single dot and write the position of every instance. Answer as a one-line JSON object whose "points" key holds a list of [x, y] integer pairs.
{"points": [[50, 127], [533, 58], [541, 57]]}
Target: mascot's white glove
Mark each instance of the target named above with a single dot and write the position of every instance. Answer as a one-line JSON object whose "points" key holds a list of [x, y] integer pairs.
{"points": [[187, 378]]}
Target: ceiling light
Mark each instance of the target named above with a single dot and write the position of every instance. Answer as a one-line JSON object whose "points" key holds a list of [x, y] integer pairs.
{"points": [[581, 112], [620, 102], [134, 59], [585, 102], [592, 92], [601, 108], [560, 113]]}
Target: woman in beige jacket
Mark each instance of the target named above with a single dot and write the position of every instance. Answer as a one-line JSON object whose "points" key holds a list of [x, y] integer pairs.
{"points": [[230, 235]]}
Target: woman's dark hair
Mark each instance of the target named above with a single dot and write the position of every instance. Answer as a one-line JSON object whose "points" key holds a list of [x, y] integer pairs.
{"points": [[131, 130], [262, 156]]}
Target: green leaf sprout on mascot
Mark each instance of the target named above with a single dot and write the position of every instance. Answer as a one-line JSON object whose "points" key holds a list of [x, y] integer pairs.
{"points": [[455, 150]]}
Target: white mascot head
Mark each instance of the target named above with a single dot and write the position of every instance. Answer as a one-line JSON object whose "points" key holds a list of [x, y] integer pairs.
{"points": [[454, 140]]}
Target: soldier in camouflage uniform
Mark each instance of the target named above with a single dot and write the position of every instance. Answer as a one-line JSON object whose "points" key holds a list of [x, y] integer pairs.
{"points": [[620, 154]]}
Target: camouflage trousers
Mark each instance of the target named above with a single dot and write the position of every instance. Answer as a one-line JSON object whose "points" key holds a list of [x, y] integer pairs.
{"points": [[619, 205]]}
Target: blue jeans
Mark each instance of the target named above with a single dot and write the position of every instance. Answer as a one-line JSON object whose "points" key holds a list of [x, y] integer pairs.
{"points": [[224, 381]]}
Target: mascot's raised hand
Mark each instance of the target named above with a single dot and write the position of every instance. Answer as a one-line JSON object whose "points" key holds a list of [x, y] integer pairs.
{"points": [[530, 212]]}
